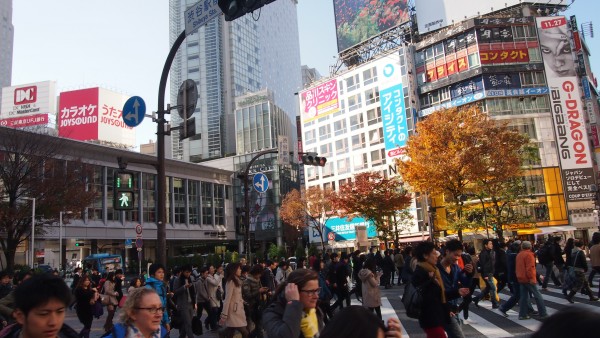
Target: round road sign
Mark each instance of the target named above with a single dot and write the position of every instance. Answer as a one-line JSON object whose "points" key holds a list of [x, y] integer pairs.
{"points": [[138, 229], [331, 236]]}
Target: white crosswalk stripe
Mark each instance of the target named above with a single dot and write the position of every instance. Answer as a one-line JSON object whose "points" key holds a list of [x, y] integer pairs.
{"points": [[387, 312], [488, 322]]}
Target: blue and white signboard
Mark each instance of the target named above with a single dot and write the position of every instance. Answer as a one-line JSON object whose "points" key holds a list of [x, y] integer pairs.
{"points": [[453, 103], [517, 92], [200, 14], [134, 111], [391, 97], [585, 83], [260, 182], [343, 229]]}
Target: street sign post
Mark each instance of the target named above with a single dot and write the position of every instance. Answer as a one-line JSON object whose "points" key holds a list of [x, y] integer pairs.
{"points": [[331, 236], [200, 14], [260, 182], [134, 111]]}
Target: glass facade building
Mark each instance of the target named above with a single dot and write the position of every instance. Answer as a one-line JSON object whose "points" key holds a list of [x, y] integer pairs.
{"points": [[6, 43], [230, 59]]}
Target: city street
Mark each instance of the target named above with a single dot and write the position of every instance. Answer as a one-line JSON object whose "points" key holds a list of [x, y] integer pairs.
{"points": [[487, 322]]}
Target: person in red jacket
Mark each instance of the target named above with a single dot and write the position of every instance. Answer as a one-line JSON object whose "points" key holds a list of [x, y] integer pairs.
{"points": [[525, 270]]}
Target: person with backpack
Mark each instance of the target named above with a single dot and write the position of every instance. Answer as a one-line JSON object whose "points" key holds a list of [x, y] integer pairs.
{"points": [[545, 256]]}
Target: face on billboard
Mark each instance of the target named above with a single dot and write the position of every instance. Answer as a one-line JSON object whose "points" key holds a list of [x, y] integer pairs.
{"points": [[556, 51], [359, 20]]}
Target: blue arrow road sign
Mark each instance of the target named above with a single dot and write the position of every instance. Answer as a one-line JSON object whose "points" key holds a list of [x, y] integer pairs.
{"points": [[260, 182], [134, 111]]}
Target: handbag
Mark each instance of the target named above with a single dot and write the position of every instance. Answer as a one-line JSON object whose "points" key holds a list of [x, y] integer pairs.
{"points": [[412, 300], [105, 299], [197, 325], [97, 309], [219, 294], [176, 320], [122, 301]]}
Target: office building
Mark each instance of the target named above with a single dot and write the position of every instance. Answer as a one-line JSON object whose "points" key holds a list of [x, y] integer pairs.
{"points": [[230, 59], [7, 33]]}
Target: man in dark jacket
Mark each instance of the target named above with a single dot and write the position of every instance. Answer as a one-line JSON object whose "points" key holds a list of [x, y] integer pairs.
{"points": [[487, 260], [339, 281], [40, 304], [456, 282], [550, 259]]}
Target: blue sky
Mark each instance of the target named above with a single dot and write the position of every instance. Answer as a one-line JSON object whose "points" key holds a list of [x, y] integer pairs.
{"points": [[122, 44]]}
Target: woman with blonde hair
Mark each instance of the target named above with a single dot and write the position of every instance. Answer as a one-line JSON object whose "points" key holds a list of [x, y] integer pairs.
{"points": [[141, 316]]}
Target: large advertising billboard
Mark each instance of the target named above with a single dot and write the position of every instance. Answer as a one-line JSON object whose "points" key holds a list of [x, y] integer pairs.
{"points": [[78, 114], [94, 114], [567, 109], [319, 101], [360, 20], [28, 99], [436, 14], [341, 229]]}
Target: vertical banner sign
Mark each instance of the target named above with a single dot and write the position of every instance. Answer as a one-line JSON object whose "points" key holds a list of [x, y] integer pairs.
{"points": [[283, 154], [393, 114], [567, 108]]}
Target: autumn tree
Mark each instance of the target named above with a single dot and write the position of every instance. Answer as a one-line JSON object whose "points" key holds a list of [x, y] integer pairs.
{"points": [[30, 167], [311, 210], [458, 153], [375, 198]]}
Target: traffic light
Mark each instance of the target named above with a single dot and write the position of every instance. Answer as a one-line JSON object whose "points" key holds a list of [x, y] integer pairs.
{"points": [[188, 129], [79, 244], [233, 9], [124, 198], [314, 160]]}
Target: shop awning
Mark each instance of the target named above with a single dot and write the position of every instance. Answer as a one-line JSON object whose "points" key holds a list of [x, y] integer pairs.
{"points": [[531, 231], [549, 230], [411, 239]]}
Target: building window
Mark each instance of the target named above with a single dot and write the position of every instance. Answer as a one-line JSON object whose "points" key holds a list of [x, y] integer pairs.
{"points": [[473, 60], [111, 213], [310, 137], [179, 200], [360, 161], [325, 149], [339, 127], [535, 55], [312, 173], [343, 166], [149, 193], [352, 83], [219, 204], [377, 157], [341, 146], [372, 96], [532, 79], [328, 170], [375, 136], [96, 184], [374, 116], [324, 132], [207, 203], [358, 141], [370, 76], [357, 122], [354, 102], [194, 200]]}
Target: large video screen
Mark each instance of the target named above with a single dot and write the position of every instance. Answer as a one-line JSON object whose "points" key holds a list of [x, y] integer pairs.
{"points": [[360, 20]]}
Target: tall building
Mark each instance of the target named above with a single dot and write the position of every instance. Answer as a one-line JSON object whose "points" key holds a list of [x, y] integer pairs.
{"points": [[6, 43], [230, 59]]}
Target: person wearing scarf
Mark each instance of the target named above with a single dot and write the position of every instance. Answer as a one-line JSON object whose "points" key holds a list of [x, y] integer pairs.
{"points": [[435, 311], [294, 312], [141, 316]]}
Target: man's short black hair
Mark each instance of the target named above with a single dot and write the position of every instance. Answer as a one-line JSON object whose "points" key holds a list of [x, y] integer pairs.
{"points": [[486, 241], [5, 273], [453, 245], [155, 267], [39, 290]]}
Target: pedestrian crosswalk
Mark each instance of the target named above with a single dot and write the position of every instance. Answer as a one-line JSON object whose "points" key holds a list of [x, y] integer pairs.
{"points": [[486, 321]]}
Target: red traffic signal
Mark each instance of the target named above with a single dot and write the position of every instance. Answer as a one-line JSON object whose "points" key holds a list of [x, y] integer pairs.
{"points": [[314, 160]]}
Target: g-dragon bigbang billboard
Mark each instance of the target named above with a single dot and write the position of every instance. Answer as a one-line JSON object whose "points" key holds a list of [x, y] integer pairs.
{"points": [[567, 109]]}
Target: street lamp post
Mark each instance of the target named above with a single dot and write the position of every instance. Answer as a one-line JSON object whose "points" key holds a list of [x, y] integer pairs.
{"points": [[60, 256], [32, 229]]}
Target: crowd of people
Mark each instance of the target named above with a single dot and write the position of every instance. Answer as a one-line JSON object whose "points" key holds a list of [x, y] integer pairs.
{"points": [[313, 299]]}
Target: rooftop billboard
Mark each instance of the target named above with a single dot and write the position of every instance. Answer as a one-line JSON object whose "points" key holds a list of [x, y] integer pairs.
{"points": [[360, 20], [29, 99], [449, 12]]}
